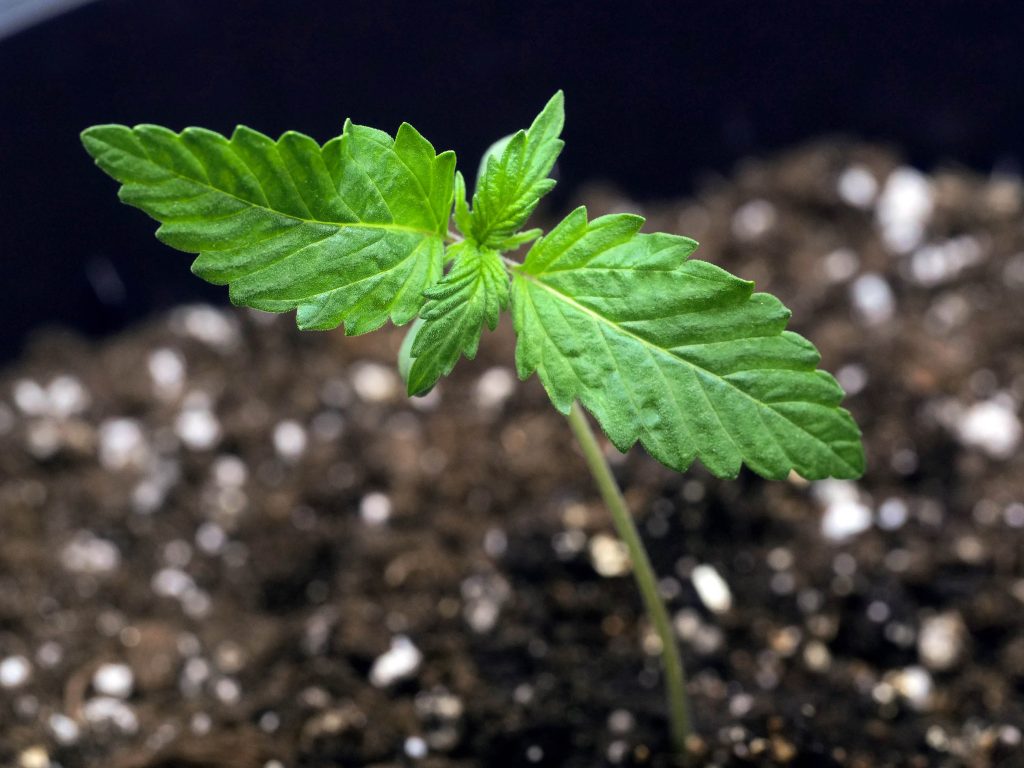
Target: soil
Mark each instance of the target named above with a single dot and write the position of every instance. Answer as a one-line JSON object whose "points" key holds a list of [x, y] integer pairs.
{"points": [[226, 543]]}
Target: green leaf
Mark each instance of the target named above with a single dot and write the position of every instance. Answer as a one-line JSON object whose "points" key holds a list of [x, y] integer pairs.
{"points": [[495, 150], [676, 353], [463, 218], [514, 177], [518, 239], [473, 292], [352, 232]]}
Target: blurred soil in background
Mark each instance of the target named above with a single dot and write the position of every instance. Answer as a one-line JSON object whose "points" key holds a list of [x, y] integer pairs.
{"points": [[227, 543]]}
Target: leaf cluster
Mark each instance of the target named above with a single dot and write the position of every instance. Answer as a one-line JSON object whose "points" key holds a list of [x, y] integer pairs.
{"points": [[662, 349]]}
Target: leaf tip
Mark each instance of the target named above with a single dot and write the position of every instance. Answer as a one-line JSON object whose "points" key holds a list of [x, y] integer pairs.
{"points": [[448, 156], [580, 212], [419, 385], [89, 139], [96, 136], [556, 103], [243, 132], [311, 317], [90, 133]]}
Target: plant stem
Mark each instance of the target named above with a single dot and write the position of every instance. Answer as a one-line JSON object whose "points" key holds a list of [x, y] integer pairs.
{"points": [[675, 680]]}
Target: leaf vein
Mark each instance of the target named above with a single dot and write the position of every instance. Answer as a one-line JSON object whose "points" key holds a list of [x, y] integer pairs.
{"points": [[569, 300]]}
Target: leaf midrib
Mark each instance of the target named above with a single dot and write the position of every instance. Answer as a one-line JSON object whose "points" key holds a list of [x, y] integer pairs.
{"points": [[506, 211], [535, 279], [390, 226]]}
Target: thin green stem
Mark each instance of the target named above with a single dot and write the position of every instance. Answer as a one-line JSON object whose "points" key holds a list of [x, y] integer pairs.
{"points": [[675, 680]]}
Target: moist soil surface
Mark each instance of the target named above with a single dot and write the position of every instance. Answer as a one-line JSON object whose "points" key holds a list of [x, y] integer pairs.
{"points": [[227, 543]]}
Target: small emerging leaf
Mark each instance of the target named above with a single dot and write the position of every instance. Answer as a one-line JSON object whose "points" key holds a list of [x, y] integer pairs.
{"points": [[463, 218], [495, 150], [473, 293], [676, 353], [405, 351], [518, 239], [514, 177], [349, 232]]}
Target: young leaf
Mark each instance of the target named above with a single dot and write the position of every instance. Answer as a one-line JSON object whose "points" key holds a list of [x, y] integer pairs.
{"points": [[514, 177], [473, 292], [463, 218], [676, 353], [518, 239], [405, 351], [352, 232]]}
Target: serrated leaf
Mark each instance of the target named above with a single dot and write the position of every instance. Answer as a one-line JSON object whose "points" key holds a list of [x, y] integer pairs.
{"points": [[518, 239], [676, 353], [352, 232], [514, 177], [473, 293]]}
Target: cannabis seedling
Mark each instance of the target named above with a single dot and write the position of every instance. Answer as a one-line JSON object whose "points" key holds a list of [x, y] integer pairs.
{"points": [[662, 349]]}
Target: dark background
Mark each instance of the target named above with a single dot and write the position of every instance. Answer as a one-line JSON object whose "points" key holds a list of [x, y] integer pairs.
{"points": [[657, 93]]}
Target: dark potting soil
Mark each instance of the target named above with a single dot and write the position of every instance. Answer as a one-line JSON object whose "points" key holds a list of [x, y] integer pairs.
{"points": [[227, 543]]}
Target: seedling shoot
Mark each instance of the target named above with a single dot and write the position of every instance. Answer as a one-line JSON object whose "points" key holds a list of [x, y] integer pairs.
{"points": [[660, 348]]}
